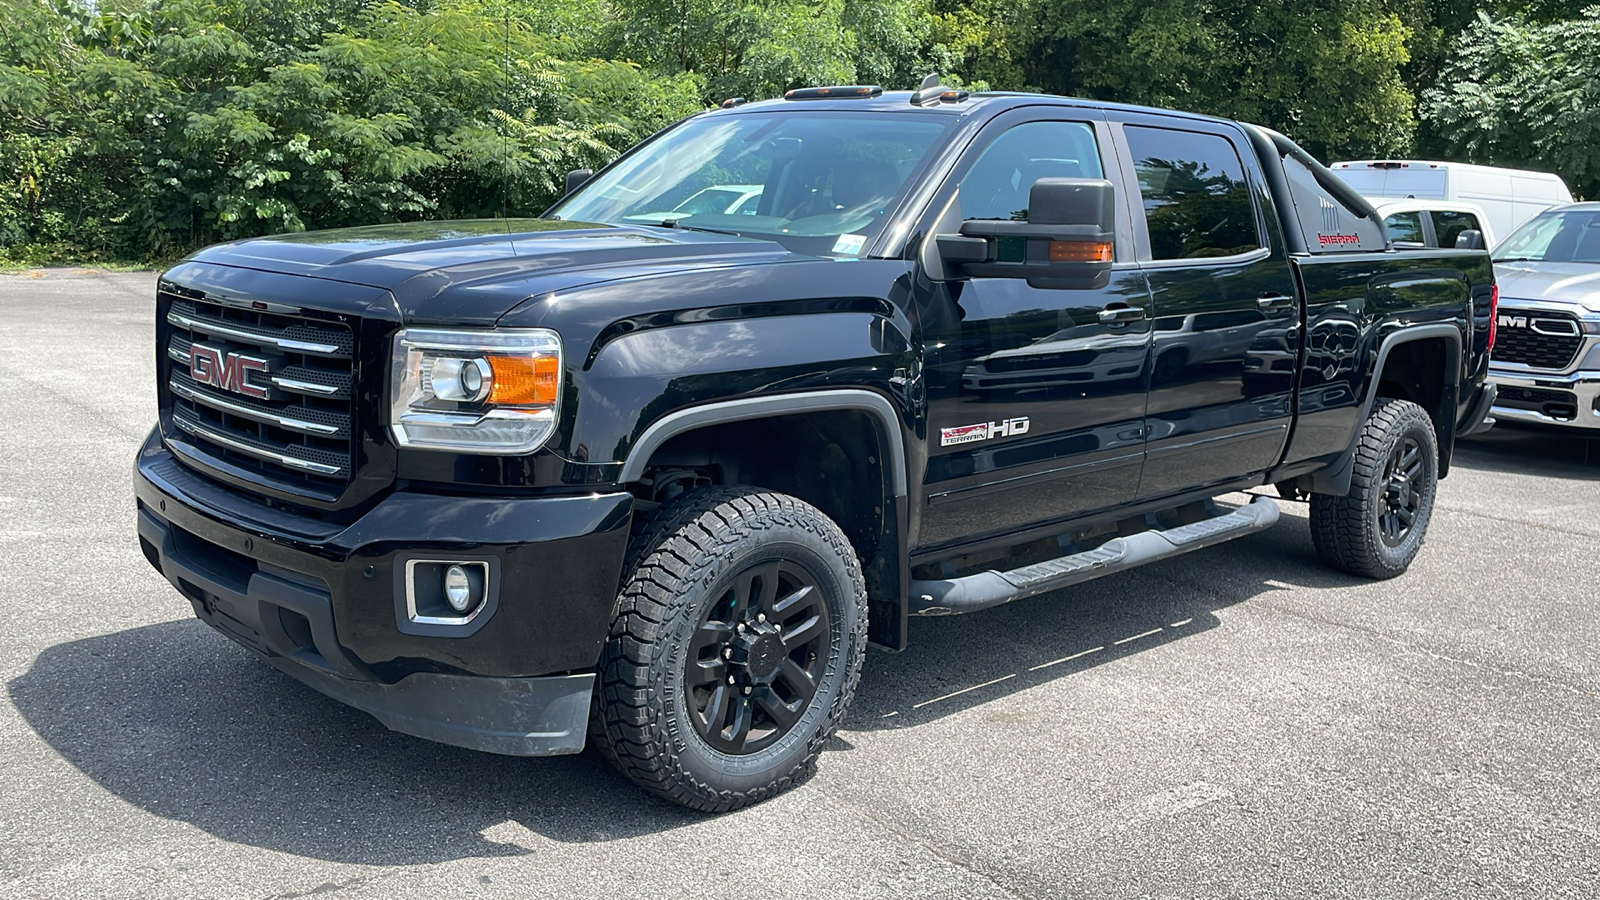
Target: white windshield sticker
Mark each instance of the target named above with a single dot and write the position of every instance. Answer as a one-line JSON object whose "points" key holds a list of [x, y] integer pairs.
{"points": [[849, 243]]}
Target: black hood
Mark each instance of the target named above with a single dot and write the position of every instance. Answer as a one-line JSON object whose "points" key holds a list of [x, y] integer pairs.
{"points": [[472, 272]]}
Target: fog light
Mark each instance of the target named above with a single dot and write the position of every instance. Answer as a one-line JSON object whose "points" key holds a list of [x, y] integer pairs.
{"points": [[458, 589], [458, 594]]}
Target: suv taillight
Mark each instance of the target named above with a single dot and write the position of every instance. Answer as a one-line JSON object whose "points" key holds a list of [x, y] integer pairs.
{"points": [[1494, 314]]}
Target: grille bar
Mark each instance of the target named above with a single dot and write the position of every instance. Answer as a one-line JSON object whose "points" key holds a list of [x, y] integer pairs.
{"points": [[255, 448], [319, 343], [239, 408]]}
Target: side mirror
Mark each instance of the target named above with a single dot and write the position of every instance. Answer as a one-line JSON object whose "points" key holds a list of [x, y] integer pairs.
{"points": [[1066, 241], [577, 178], [1470, 239]]}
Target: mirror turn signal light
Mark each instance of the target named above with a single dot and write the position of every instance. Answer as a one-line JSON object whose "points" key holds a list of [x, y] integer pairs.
{"points": [[1080, 251]]}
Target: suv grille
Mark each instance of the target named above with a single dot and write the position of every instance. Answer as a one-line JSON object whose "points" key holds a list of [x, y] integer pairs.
{"points": [[300, 433], [1549, 340]]}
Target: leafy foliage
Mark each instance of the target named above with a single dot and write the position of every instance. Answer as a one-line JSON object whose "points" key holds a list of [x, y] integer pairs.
{"points": [[1525, 95], [139, 129], [145, 130], [1323, 71]]}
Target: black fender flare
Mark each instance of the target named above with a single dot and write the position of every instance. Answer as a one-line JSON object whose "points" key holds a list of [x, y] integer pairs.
{"points": [[1334, 478], [887, 613], [766, 406]]}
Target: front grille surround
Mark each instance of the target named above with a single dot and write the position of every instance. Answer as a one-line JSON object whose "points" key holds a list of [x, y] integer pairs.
{"points": [[1538, 350], [303, 439]]}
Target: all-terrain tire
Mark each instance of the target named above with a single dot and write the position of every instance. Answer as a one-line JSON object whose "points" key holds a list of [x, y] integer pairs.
{"points": [[693, 555], [1367, 532]]}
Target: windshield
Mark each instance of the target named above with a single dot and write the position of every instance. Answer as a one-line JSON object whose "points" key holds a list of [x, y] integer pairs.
{"points": [[1555, 237], [818, 182]]}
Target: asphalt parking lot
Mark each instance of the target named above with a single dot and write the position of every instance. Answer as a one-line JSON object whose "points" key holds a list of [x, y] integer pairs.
{"points": [[1235, 723]]}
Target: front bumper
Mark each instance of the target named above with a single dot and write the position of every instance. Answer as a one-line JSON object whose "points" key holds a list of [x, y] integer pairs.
{"points": [[322, 602], [1569, 401]]}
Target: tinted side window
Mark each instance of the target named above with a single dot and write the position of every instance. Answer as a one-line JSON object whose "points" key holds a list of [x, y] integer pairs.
{"points": [[1406, 226], [997, 185], [1447, 225], [1196, 200]]}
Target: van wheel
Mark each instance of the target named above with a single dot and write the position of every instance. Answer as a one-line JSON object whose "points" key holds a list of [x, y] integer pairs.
{"points": [[1377, 528], [735, 648]]}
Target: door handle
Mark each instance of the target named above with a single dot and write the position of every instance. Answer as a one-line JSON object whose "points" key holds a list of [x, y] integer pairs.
{"points": [[1275, 301], [1121, 313]]}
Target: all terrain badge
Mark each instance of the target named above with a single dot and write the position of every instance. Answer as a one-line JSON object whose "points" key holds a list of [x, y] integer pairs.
{"points": [[983, 431]]}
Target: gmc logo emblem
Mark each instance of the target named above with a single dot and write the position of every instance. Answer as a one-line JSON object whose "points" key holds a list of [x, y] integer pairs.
{"points": [[228, 371], [1513, 321]]}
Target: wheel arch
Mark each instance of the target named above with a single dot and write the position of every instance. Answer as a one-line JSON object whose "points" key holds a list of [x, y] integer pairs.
{"points": [[841, 450], [1403, 357]]}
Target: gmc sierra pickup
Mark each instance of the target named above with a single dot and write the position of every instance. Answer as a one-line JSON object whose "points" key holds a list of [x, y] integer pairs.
{"points": [[651, 474]]}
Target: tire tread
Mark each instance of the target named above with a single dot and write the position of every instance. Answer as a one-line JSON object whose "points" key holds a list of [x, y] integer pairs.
{"points": [[680, 544], [1343, 529]]}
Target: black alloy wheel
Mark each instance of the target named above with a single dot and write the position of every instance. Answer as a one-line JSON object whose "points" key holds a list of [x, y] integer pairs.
{"points": [[1376, 528], [734, 650], [1402, 492], [754, 661]]}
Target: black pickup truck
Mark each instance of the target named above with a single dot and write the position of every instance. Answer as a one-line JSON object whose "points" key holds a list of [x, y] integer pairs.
{"points": [[651, 470]]}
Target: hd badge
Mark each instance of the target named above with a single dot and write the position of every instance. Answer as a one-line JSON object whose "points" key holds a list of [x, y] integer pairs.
{"points": [[983, 431]]}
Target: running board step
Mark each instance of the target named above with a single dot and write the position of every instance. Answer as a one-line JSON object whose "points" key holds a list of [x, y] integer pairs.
{"points": [[991, 588]]}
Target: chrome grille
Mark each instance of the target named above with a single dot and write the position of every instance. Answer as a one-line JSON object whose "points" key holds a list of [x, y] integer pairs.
{"points": [[301, 434], [1548, 340]]}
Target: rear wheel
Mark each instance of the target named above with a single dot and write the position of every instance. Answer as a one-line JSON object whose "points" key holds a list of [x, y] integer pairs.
{"points": [[735, 649], [1377, 528]]}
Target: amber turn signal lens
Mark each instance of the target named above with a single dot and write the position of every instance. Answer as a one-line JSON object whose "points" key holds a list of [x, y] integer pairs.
{"points": [[1080, 251], [522, 381]]}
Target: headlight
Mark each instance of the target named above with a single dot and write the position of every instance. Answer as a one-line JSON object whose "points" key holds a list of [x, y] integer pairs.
{"points": [[492, 392]]}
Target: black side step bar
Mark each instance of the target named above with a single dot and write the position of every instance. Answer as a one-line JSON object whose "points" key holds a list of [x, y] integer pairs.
{"points": [[991, 588]]}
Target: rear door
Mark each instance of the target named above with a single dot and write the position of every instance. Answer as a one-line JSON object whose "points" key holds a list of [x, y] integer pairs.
{"points": [[1035, 396], [1227, 317]]}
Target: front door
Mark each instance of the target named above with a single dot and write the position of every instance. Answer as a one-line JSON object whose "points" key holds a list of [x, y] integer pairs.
{"points": [[1227, 318], [1035, 396]]}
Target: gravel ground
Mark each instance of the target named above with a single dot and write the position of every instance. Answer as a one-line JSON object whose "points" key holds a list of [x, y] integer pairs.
{"points": [[1236, 723]]}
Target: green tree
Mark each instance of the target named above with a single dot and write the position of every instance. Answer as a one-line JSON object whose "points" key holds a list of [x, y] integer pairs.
{"points": [[1326, 73], [760, 49], [145, 129], [1524, 95]]}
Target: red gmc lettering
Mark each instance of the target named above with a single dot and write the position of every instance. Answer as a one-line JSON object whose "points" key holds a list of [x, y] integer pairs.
{"points": [[209, 365]]}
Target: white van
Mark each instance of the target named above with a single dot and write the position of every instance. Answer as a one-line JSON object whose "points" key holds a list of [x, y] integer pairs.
{"points": [[1508, 197]]}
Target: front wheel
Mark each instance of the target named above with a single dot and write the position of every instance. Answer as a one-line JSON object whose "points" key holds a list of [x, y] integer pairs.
{"points": [[1377, 528], [736, 647]]}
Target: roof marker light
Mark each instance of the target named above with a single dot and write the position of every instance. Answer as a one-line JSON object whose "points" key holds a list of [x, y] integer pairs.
{"points": [[839, 92]]}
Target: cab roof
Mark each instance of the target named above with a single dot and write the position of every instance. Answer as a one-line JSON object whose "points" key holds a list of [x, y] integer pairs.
{"points": [[985, 103]]}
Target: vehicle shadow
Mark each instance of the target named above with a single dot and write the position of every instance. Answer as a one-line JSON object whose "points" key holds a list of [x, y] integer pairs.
{"points": [[1526, 451], [957, 662], [179, 722]]}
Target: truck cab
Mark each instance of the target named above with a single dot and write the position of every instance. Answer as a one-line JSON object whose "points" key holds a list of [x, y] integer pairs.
{"points": [[651, 474]]}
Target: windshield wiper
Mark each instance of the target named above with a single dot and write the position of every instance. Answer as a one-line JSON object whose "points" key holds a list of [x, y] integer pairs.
{"points": [[678, 223], [1518, 259]]}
